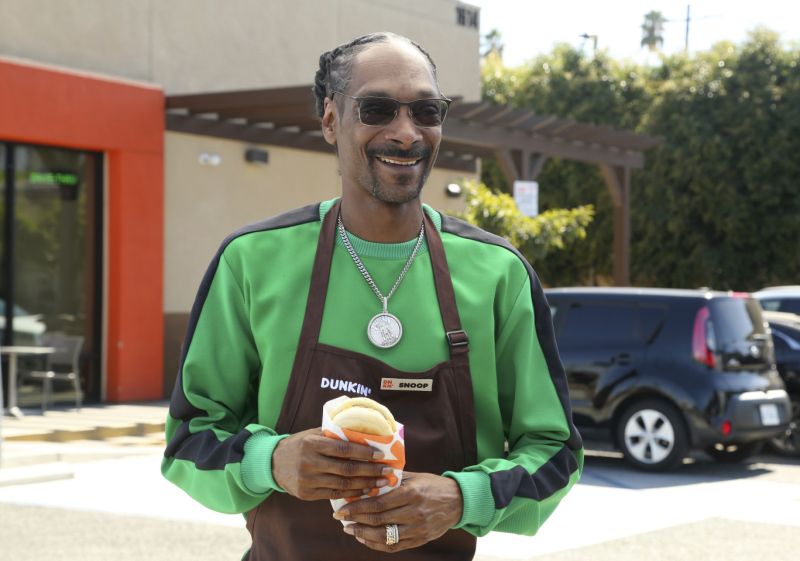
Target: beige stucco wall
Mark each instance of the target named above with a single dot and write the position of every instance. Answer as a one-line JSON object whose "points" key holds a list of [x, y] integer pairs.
{"points": [[204, 203], [189, 46]]}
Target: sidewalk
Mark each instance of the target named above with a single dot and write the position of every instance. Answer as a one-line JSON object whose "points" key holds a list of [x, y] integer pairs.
{"points": [[92, 422], [42, 447]]}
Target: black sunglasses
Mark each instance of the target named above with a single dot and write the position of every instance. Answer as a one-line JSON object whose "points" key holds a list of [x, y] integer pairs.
{"points": [[376, 111]]}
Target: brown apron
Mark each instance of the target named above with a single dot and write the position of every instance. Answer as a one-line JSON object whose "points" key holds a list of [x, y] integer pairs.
{"points": [[439, 424]]}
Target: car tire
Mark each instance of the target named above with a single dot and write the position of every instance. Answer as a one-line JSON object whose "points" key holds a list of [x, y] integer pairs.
{"points": [[652, 435], [734, 452]]}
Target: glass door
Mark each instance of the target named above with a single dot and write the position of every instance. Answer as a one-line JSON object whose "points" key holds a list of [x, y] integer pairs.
{"points": [[51, 282]]}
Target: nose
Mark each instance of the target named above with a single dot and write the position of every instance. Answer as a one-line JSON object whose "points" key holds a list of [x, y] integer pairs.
{"points": [[402, 130]]}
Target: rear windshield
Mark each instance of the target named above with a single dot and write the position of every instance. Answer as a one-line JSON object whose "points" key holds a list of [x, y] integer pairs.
{"points": [[739, 333]]}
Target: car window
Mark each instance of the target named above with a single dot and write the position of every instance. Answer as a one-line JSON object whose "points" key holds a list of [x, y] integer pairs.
{"points": [[736, 319], [588, 323], [791, 305], [770, 305], [740, 335]]}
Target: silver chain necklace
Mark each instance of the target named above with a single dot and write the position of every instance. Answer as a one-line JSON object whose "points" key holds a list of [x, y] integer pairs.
{"points": [[384, 329]]}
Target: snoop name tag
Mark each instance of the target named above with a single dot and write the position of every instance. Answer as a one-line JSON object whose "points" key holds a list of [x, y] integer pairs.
{"points": [[407, 384]]}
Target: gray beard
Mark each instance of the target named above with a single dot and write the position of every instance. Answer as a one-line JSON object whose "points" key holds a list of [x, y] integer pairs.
{"points": [[394, 196]]}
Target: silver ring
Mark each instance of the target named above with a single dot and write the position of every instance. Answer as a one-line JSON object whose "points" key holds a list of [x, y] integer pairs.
{"points": [[392, 534]]}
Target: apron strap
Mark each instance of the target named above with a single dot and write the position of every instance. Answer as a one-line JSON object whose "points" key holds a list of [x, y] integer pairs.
{"points": [[457, 339], [318, 290]]}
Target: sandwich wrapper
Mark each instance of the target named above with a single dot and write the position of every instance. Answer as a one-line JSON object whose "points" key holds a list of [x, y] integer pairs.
{"points": [[393, 448]]}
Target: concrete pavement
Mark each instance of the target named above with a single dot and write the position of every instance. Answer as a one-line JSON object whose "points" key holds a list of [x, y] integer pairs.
{"points": [[116, 503], [31, 450]]}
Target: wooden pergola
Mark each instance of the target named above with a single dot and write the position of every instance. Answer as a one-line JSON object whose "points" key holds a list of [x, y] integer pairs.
{"points": [[519, 139]]}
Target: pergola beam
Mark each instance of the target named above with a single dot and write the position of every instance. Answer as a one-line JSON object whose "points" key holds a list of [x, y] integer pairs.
{"points": [[491, 137]]}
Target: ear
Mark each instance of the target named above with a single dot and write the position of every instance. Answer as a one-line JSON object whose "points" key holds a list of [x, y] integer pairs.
{"points": [[330, 121]]}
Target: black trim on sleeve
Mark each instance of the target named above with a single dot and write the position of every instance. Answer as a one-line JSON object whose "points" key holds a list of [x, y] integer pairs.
{"points": [[548, 479], [543, 318], [204, 449], [196, 447]]}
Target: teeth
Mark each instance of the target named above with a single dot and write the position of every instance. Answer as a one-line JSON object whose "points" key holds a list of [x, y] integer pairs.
{"points": [[395, 162]]}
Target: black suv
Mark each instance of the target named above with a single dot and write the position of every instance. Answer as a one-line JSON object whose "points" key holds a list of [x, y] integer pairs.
{"points": [[663, 371]]}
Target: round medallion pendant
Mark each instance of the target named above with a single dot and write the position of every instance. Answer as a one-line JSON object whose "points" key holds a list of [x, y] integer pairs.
{"points": [[384, 330]]}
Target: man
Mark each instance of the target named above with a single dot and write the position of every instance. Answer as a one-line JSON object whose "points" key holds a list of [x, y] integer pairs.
{"points": [[361, 296]]}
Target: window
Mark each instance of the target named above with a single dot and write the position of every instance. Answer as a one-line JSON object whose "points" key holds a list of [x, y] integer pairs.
{"points": [[591, 324]]}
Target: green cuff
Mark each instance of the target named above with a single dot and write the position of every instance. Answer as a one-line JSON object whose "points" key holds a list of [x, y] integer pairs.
{"points": [[256, 467], [476, 489]]}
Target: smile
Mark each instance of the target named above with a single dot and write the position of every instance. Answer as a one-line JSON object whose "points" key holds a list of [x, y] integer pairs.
{"points": [[390, 161]]}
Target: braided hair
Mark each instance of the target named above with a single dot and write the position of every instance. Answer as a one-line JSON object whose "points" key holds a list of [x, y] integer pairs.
{"points": [[335, 65]]}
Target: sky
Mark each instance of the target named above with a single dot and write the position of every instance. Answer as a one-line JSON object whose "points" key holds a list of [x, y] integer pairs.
{"points": [[532, 27]]}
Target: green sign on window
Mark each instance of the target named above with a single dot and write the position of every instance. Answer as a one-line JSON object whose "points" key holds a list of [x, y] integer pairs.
{"points": [[52, 178]]}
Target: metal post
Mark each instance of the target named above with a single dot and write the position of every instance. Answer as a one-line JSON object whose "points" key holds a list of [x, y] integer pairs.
{"points": [[688, 19]]}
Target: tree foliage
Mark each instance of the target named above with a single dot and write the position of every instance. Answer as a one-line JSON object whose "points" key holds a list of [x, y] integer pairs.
{"points": [[535, 237], [717, 203]]}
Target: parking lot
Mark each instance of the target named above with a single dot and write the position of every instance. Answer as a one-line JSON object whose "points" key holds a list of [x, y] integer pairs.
{"points": [[702, 511]]}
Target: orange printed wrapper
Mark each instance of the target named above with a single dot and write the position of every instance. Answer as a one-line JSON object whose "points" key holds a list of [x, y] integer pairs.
{"points": [[393, 448]]}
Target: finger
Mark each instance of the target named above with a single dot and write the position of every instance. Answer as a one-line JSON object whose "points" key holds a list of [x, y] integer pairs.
{"points": [[378, 534], [347, 450], [342, 483], [322, 493], [350, 468], [396, 499], [332, 494], [376, 538], [404, 515]]}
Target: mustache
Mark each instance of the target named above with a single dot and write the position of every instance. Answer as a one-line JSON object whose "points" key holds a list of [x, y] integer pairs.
{"points": [[419, 153]]}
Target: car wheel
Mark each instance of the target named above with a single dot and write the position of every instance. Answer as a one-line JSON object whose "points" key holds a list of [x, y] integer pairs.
{"points": [[652, 435], [733, 452], [788, 443]]}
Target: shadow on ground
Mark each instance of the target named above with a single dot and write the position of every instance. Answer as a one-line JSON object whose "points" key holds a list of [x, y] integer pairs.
{"points": [[607, 468]]}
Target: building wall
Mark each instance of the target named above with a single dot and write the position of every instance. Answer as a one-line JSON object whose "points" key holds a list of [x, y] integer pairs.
{"points": [[189, 46]]}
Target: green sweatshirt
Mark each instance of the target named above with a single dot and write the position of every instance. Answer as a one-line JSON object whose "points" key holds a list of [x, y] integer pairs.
{"points": [[245, 324]]}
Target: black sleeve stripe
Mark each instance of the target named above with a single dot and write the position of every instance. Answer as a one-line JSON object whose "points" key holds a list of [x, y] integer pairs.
{"points": [[180, 407], [204, 449], [548, 479], [543, 319]]}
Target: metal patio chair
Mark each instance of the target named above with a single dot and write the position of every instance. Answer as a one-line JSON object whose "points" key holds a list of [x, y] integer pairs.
{"points": [[63, 364]]}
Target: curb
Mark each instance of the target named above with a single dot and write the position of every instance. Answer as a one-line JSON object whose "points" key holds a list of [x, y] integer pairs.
{"points": [[100, 432]]}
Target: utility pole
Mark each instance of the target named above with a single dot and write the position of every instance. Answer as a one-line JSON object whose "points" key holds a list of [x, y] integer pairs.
{"points": [[688, 19]]}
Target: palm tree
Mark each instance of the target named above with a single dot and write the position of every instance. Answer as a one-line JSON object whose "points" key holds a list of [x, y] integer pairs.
{"points": [[653, 30], [493, 43]]}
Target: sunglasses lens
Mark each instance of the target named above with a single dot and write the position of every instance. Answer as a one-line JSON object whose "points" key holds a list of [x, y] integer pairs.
{"points": [[428, 112], [377, 111]]}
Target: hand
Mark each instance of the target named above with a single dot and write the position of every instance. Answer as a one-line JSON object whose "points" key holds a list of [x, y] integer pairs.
{"points": [[424, 507], [311, 466]]}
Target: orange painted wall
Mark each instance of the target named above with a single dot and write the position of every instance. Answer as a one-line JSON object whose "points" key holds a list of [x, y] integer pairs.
{"points": [[125, 120]]}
